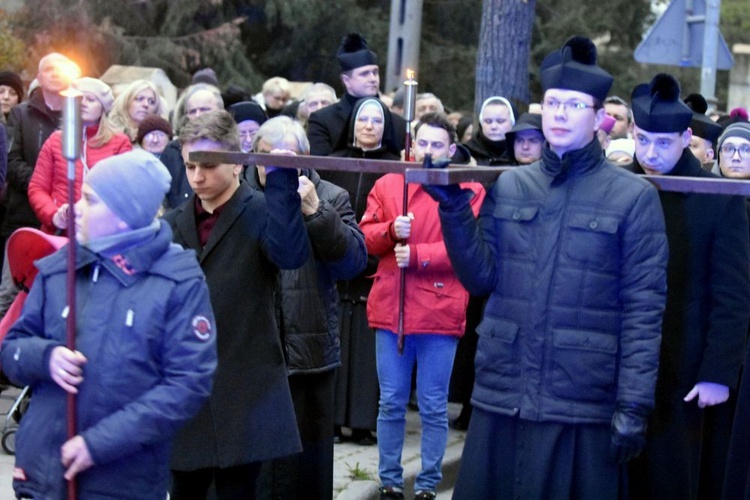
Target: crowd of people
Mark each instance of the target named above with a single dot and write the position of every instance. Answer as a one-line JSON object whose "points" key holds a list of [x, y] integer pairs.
{"points": [[236, 321]]}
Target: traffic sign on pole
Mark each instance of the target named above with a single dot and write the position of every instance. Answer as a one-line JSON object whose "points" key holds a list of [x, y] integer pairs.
{"points": [[677, 38]]}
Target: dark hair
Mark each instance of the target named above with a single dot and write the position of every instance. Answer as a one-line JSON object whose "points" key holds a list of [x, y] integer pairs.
{"points": [[613, 99], [463, 124], [438, 120]]}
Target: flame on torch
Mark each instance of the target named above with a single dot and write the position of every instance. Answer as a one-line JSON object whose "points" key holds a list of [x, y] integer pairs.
{"points": [[410, 96]]}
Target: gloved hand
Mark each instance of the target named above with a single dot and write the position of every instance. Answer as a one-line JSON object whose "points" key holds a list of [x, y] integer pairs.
{"points": [[448, 195], [439, 163], [445, 195], [628, 431]]}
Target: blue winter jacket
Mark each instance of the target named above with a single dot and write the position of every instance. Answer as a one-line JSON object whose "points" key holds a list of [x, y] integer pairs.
{"points": [[147, 330], [573, 254]]}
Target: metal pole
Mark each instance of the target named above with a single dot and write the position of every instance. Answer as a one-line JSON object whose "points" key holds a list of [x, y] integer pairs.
{"points": [[404, 36], [710, 51], [71, 152], [410, 101]]}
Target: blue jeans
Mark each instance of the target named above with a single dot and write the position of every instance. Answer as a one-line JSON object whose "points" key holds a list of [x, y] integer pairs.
{"points": [[434, 357]]}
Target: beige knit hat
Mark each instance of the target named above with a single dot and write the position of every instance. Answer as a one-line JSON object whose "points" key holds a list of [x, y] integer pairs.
{"points": [[97, 87]]}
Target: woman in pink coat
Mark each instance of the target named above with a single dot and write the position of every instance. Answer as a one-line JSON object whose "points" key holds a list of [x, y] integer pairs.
{"points": [[48, 188]]}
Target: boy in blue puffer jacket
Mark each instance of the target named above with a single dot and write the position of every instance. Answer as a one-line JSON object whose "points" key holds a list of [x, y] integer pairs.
{"points": [[145, 345]]}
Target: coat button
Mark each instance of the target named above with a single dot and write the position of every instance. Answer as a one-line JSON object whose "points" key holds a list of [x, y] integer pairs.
{"points": [[593, 224], [516, 215]]}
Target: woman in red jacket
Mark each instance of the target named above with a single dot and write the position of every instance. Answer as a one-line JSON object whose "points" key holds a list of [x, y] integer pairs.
{"points": [[48, 188]]}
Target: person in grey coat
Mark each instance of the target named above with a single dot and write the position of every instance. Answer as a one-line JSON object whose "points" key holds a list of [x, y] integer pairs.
{"points": [[309, 316]]}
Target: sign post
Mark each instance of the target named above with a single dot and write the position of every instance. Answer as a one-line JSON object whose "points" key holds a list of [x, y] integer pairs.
{"points": [[687, 35]]}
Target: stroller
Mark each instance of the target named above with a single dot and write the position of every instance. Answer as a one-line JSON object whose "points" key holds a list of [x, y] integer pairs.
{"points": [[25, 246]]}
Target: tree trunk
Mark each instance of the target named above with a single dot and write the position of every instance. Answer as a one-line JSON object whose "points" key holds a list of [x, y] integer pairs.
{"points": [[503, 52]]}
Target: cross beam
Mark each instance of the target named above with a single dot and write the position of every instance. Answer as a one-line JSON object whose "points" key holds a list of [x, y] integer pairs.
{"points": [[451, 175]]}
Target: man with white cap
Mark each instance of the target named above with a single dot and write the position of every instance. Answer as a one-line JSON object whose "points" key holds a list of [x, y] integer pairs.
{"points": [[145, 344], [572, 253]]}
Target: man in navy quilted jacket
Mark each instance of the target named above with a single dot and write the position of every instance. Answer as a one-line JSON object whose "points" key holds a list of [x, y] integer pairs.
{"points": [[572, 253]]}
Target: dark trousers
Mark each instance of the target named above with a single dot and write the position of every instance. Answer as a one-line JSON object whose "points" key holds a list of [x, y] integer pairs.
{"points": [[357, 389], [737, 481], [669, 466], [309, 474], [231, 483], [506, 457]]}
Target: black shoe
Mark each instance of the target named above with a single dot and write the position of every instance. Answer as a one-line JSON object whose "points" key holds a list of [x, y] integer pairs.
{"points": [[461, 423], [367, 441], [458, 425], [424, 495], [363, 437], [338, 437], [391, 492]]}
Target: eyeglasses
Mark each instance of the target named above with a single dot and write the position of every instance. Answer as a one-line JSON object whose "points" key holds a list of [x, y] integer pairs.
{"points": [[156, 135], [730, 149], [554, 104]]}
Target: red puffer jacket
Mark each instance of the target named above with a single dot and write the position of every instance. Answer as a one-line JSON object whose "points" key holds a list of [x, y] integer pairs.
{"points": [[48, 188], [435, 301]]}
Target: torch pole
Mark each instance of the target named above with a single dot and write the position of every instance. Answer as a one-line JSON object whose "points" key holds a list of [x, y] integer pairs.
{"points": [[71, 152], [410, 96]]}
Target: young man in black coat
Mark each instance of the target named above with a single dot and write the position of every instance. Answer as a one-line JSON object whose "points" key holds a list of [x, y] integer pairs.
{"points": [[708, 289], [326, 128], [242, 238]]}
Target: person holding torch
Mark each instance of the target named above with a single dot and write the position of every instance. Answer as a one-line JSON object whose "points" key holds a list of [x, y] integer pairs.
{"points": [[145, 349], [434, 311]]}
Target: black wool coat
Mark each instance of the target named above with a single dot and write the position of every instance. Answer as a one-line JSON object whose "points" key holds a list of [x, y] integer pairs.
{"points": [[703, 332], [179, 189], [489, 153], [708, 287], [32, 123], [249, 417]]}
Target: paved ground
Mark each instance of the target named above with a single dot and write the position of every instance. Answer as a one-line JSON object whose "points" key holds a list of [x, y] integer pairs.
{"points": [[355, 474], [6, 461], [355, 466]]}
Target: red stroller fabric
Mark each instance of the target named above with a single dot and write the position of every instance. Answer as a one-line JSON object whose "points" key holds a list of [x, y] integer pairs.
{"points": [[25, 246]]}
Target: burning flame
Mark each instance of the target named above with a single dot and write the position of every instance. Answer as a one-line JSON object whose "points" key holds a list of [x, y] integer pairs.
{"points": [[410, 74], [69, 69]]}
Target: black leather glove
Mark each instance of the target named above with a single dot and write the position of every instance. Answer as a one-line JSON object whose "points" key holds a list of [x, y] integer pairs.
{"points": [[439, 163], [447, 195], [628, 431]]}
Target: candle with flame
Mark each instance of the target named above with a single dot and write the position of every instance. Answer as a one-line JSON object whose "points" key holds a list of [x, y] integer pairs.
{"points": [[71, 125], [410, 95]]}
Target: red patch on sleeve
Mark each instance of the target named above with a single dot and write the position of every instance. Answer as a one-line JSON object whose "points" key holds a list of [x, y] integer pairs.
{"points": [[202, 327]]}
